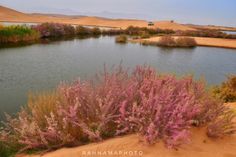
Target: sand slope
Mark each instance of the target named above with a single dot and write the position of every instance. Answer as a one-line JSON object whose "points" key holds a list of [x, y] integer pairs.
{"points": [[213, 27], [10, 15], [201, 146]]}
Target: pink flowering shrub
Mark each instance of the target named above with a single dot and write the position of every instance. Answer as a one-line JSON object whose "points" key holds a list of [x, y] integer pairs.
{"points": [[158, 107]]}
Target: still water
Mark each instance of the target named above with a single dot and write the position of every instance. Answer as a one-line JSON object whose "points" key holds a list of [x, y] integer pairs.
{"points": [[230, 32], [41, 67]]}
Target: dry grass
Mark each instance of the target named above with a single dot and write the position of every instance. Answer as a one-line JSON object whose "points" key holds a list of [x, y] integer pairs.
{"points": [[121, 39], [185, 42], [1, 26], [168, 41], [42, 105], [227, 90]]}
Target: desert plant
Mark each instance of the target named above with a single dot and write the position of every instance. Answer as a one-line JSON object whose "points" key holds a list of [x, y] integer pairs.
{"points": [[14, 34], [54, 30], [95, 31], [222, 125], [167, 41], [145, 35], [205, 33], [121, 39], [113, 32], [1, 26], [147, 43], [185, 42], [158, 107], [80, 30], [131, 30], [227, 90]]}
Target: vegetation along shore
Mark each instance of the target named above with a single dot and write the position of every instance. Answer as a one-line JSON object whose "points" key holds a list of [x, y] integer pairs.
{"points": [[154, 106]]}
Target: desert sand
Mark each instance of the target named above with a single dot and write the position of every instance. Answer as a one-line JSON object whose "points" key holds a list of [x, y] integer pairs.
{"points": [[200, 146], [213, 27], [10, 15], [201, 41]]}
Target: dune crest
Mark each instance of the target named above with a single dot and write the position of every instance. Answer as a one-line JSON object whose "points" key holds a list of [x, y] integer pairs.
{"points": [[10, 15]]}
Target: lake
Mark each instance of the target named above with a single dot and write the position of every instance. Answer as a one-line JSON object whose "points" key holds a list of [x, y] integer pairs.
{"points": [[230, 32], [41, 67]]}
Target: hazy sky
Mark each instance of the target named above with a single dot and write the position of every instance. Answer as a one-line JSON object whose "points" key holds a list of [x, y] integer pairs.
{"points": [[220, 12]]}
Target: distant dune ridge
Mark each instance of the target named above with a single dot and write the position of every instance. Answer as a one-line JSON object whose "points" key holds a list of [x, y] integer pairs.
{"points": [[10, 15]]}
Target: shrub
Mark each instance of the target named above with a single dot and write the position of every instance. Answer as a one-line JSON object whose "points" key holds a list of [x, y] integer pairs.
{"points": [[113, 32], [85, 31], [185, 42], [145, 35], [54, 30], [7, 151], [158, 107], [95, 31], [167, 41], [206, 33], [14, 34], [222, 125], [227, 91], [80, 30], [121, 39], [146, 43], [131, 30]]}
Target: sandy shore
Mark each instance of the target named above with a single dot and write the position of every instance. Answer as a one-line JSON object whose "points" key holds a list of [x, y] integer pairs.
{"points": [[211, 42], [200, 146]]}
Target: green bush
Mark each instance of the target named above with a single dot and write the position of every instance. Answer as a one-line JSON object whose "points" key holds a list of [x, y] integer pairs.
{"points": [[14, 34], [6, 151]]}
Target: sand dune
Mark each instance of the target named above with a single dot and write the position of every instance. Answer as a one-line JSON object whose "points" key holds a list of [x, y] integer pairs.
{"points": [[213, 27], [200, 146], [172, 25], [211, 42], [10, 15]]}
